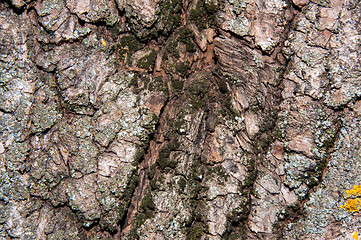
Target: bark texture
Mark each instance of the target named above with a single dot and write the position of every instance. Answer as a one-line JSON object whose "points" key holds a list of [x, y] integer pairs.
{"points": [[179, 119]]}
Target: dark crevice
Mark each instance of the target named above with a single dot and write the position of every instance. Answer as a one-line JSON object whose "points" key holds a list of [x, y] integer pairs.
{"points": [[4, 111], [18, 11], [294, 6], [264, 139], [296, 211], [139, 191], [120, 11], [259, 149]]}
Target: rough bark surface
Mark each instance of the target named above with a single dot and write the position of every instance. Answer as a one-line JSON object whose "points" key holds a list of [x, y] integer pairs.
{"points": [[170, 119]]}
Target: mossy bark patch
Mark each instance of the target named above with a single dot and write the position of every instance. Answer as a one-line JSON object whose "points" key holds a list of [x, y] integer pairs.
{"points": [[148, 61]]}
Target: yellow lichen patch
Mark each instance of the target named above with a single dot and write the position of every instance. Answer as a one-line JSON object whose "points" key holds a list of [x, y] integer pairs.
{"points": [[103, 42], [355, 235], [355, 191], [352, 205]]}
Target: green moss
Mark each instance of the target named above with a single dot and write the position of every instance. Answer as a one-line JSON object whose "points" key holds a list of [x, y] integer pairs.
{"points": [[147, 202], [170, 15], [151, 172], [133, 84], [131, 43], [164, 161], [323, 3], [148, 61], [195, 176], [199, 87], [236, 221], [146, 212], [139, 219], [182, 184], [229, 110], [157, 84], [240, 213], [251, 173], [177, 84], [225, 98], [289, 214], [139, 156], [329, 142], [132, 184], [265, 142], [269, 123], [127, 46], [196, 224], [281, 72], [174, 145], [154, 184], [296, 209], [183, 68], [311, 181], [197, 103], [194, 232], [321, 166], [237, 234], [171, 50], [177, 125], [203, 14], [222, 85], [219, 171], [198, 92], [186, 36], [122, 54], [277, 133], [115, 30]]}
